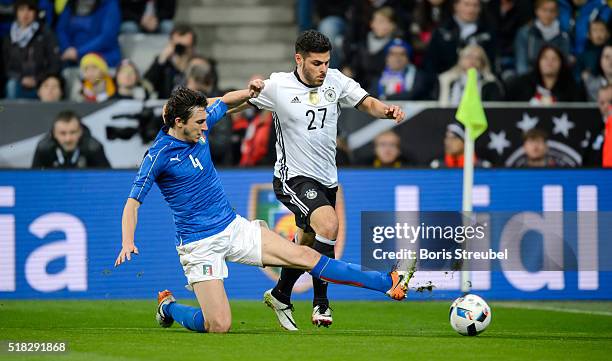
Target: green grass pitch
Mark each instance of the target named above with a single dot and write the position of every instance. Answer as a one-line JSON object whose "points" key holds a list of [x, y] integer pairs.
{"points": [[126, 330]]}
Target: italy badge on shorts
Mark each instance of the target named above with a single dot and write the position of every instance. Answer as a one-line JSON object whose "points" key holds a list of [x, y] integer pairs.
{"points": [[207, 269]]}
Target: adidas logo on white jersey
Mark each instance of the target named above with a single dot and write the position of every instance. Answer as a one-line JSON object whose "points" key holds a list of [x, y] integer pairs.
{"points": [[295, 100]]}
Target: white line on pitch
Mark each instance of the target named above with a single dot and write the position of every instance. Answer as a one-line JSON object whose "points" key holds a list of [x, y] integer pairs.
{"points": [[554, 309]]}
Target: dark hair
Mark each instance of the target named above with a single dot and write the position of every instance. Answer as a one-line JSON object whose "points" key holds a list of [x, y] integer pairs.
{"points": [[211, 77], [312, 41], [31, 4], [181, 104], [539, 3], [598, 21], [564, 78], [59, 78], [66, 116], [424, 14], [535, 133], [182, 29]]}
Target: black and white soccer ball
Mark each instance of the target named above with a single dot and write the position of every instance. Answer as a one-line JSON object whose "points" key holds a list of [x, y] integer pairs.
{"points": [[469, 315]]}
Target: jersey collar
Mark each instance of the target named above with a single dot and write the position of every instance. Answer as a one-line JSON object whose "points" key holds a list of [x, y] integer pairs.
{"points": [[297, 76]]}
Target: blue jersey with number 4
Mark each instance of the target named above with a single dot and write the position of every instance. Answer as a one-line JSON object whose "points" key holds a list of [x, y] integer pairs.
{"points": [[188, 180]]}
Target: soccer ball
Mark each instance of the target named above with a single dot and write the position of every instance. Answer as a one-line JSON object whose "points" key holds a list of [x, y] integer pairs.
{"points": [[469, 315]]}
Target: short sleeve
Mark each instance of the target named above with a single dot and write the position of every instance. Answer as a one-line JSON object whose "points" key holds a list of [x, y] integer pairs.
{"points": [[150, 169], [267, 98], [352, 94], [215, 112]]}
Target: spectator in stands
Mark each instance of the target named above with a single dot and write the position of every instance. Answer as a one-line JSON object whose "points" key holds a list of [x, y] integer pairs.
{"points": [[129, 84], [69, 144], [536, 149], [598, 151], [550, 82], [388, 151], [427, 16], [461, 29], [604, 100], [167, 71], [588, 61], [51, 89], [401, 80], [30, 52], [602, 76], [87, 26], [453, 81], [97, 85], [201, 76], [148, 16], [544, 30], [368, 59], [256, 147], [45, 14], [332, 23], [506, 18], [359, 17], [575, 16], [453, 150]]}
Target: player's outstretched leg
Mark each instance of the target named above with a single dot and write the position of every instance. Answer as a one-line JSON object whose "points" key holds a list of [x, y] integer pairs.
{"points": [[279, 252], [168, 311]]}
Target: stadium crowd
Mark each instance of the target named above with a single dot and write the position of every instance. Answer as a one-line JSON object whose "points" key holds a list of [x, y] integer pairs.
{"points": [[542, 52]]}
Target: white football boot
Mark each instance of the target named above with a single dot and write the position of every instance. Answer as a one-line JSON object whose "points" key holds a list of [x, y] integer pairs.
{"points": [[284, 312], [322, 316]]}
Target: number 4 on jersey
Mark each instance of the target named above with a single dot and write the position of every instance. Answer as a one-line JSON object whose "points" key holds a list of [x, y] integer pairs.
{"points": [[196, 162]]}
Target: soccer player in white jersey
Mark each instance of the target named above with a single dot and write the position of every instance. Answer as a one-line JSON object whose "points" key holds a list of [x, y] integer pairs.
{"points": [[306, 105], [208, 231]]}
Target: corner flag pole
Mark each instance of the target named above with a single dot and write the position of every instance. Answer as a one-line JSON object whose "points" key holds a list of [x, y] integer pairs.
{"points": [[471, 114], [468, 183]]}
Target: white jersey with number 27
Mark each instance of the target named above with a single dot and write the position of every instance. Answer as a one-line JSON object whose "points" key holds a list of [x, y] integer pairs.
{"points": [[306, 121]]}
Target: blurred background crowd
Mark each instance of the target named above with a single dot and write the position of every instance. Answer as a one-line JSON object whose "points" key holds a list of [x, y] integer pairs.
{"points": [[542, 52]]}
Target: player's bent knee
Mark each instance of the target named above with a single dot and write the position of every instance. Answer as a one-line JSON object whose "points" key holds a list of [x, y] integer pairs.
{"points": [[328, 229], [218, 326]]}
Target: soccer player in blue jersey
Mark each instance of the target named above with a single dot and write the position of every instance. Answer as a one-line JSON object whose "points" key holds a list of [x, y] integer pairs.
{"points": [[208, 231]]}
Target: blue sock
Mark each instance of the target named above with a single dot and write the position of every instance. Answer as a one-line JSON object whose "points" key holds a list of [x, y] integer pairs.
{"points": [[335, 271], [188, 316]]}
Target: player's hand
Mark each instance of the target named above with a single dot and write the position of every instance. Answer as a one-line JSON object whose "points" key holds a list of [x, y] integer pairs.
{"points": [[394, 112], [126, 253], [255, 87]]}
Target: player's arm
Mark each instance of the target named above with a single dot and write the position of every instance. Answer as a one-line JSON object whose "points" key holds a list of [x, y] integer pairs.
{"points": [[380, 110], [128, 228], [238, 98]]}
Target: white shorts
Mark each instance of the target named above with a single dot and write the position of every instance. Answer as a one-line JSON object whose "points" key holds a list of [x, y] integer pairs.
{"points": [[239, 242]]}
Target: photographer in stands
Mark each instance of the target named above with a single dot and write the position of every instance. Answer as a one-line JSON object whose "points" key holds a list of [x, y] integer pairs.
{"points": [[167, 70]]}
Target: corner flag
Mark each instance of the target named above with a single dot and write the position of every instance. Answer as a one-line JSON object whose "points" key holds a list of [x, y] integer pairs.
{"points": [[470, 112]]}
